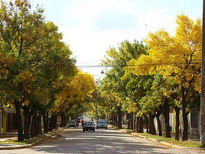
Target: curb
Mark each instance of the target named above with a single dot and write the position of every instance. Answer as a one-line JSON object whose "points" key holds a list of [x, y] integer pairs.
{"points": [[11, 147], [165, 143]]}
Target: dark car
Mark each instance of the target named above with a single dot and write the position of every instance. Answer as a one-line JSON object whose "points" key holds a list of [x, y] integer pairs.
{"points": [[72, 123], [102, 124], [89, 125]]}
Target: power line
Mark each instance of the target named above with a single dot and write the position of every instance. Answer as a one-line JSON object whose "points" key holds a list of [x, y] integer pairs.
{"points": [[90, 66], [154, 64]]}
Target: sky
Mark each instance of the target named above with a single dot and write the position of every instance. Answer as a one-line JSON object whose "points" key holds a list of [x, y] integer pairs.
{"points": [[90, 27]]}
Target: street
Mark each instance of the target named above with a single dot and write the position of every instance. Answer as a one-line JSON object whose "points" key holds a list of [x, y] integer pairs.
{"points": [[102, 141]]}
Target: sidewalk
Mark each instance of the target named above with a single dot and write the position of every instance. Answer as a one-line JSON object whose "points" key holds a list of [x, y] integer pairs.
{"points": [[8, 134], [13, 136]]}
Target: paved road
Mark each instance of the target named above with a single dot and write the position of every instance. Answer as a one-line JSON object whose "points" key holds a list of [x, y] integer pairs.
{"points": [[102, 141]]}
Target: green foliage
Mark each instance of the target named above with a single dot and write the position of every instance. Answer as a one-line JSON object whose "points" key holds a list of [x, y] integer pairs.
{"points": [[121, 89], [33, 58]]}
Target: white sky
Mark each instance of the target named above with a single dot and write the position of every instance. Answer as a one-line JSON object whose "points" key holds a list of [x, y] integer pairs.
{"points": [[90, 27]]}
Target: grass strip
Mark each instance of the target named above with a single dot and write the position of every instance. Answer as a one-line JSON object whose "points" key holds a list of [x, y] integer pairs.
{"points": [[14, 140], [188, 144]]}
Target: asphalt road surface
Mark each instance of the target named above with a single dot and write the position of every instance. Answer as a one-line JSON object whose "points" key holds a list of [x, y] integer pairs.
{"points": [[103, 141]]}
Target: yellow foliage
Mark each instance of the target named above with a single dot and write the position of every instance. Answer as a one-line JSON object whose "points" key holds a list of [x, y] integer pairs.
{"points": [[166, 55], [81, 87], [24, 76], [26, 103]]}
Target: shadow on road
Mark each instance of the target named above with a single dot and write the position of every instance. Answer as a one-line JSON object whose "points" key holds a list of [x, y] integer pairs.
{"points": [[101, 141]]}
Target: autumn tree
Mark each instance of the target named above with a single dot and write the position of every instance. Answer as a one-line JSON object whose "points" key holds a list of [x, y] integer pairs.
{"points": [[19, 31], [76, 95], [33, 58], [116, 59], [176, 57]]}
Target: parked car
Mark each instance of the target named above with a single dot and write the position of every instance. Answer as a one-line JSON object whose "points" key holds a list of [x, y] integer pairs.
{"points": [[101, 123], [89, 125], [72, 123]]}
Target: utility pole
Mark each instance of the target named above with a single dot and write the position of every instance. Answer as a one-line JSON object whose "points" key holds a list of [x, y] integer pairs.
{"points": [[202, 107]]}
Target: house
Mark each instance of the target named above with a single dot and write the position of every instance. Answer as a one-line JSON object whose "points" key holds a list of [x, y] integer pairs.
{"points": [[7, 119]]}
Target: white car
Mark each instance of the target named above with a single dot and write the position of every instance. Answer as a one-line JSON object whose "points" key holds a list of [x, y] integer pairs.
{"points": [[101, 123]]}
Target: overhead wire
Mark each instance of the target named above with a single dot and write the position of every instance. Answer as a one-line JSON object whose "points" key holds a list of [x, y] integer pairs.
{"points": [[198, 62], [177, 63]]}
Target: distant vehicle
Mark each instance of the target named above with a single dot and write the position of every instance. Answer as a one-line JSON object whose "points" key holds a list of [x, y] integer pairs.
{"points": [[101, 123], [89, 125], [72, 123]]}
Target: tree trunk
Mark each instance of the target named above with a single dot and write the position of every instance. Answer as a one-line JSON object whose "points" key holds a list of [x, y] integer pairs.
{"points": [[128, 120], [147, 124], [185, 123], [151, 123], [115, 119], [39, 132], [34, 126], [45, 122], [27, 123], [50, 128], [19, 120], [53, 121], [63, 120], [119, 117], [131, 121], [177, 123], [134, 123], [184, 113], [37, 125], [139, 124], [159, 124], [166, 117]]}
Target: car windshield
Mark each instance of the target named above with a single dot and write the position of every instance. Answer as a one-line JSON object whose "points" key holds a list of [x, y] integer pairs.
{"points": [[102, 122], [72, 121], [89, 123]]}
